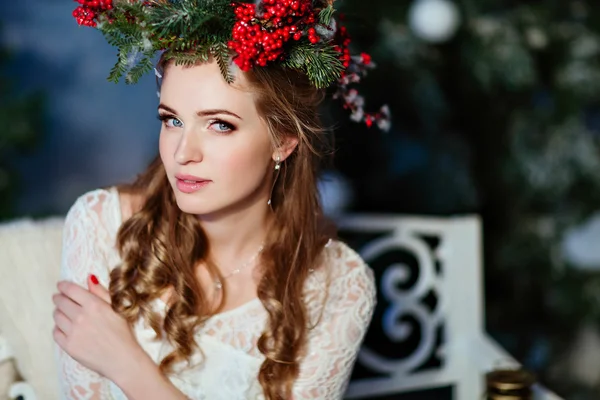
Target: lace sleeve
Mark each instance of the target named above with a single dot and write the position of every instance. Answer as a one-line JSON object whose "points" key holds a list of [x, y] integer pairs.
{"points": [[87, 244], [335, 341]]}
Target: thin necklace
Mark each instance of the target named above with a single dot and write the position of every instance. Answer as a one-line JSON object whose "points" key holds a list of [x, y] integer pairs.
{"points": [[219, 283]]}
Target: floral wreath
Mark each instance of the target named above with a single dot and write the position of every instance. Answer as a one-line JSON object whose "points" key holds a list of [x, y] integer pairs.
{"points": [[298, 34]]}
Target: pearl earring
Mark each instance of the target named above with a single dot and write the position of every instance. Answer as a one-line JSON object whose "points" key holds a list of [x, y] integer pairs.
{"points": [[277, 168], [277, 163]]}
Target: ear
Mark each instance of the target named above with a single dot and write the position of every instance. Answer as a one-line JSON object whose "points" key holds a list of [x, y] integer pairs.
{"points": [[286, 147]]}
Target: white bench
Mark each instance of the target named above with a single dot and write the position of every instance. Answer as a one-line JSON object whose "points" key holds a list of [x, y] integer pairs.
{"points": [[415, 345]]}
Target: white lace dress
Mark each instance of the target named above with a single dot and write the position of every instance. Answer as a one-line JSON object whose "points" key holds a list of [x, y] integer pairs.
{"points": [[230, 368]]}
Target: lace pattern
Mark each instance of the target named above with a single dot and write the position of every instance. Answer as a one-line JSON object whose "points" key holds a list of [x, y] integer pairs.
{"points": [[230, 367]]}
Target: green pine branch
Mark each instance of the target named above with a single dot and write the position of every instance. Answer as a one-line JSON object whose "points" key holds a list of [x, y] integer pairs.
{"points": [[223, 57], [191, 19], [139, 70], [168, 19], [120, 68], [326, 14], [321, 63], [188, 59], [182, 45], [116, 38]]}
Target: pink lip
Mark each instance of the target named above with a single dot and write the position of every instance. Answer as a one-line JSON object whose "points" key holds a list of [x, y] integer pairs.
{"points": [[190, 183]]}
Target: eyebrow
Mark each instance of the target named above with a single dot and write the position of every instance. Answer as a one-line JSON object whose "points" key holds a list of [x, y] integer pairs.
{"points": [[202, 113]]}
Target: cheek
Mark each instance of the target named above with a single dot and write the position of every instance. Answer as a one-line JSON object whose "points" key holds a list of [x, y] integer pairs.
{"points": [[165, 150], [244, 163]]}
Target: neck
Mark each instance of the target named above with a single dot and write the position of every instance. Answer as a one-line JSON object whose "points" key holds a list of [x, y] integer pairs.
{"points": [[236, 234]]}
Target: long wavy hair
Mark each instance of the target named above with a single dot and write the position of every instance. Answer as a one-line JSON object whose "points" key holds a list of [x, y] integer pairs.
{"points": [[160, 245]]}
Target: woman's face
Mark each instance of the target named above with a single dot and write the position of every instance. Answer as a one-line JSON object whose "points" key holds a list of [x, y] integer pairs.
{"points": [[216, 150]]}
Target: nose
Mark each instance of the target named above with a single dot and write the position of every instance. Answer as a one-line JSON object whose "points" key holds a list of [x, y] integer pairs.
{"points": [[189, 148]]}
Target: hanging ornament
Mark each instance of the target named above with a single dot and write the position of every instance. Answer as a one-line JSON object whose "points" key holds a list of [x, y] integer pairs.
{"points": [[434, 21]]}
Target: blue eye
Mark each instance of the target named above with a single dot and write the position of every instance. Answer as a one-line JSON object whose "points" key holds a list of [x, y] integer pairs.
{"points": [[175, 122], [170, 121], [222, 126]]}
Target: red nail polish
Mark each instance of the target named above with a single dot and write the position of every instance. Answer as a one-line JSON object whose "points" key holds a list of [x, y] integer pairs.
{"points": [[94, 279]]}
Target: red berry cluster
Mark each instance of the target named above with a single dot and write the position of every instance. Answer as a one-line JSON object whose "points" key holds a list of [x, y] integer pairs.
{"points": [[89, 10], [366, 58], [258, 40], [354, 69], [342, 40]]}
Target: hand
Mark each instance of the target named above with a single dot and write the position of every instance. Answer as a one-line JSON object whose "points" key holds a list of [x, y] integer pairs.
{"points": [[87, 328]]}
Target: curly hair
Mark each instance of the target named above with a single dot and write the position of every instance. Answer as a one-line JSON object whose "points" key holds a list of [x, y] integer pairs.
{"points": [[160, 245]]}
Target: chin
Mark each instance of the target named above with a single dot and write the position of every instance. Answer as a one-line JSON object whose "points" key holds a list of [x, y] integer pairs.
{"points": [[191, 204]]}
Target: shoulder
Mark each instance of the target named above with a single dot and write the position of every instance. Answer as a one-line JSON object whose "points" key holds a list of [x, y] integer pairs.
{"points": [[344, 275], [109, 207], [341, 261], [95, 210], [89, 234]]}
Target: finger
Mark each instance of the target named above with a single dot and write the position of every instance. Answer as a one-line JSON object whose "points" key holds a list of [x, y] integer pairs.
{"points": [[98, 289], [62, 322], [59, 337], [78, 294], [66, 305]]}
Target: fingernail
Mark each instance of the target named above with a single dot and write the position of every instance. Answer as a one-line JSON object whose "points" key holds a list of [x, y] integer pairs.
{"points": [[94, 279]]}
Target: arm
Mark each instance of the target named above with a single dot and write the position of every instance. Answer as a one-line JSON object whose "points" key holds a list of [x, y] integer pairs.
{"points": [[99, 339], [147, 382], [90, 321], [335, 341], [83, 253]]}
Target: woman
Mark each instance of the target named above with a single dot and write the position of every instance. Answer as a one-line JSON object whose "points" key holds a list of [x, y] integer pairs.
{"points": [[212, 276]]}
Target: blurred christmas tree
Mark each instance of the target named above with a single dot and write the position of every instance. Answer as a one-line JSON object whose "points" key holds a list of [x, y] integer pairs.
{"points": [[21, 123], [496, 107]]}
